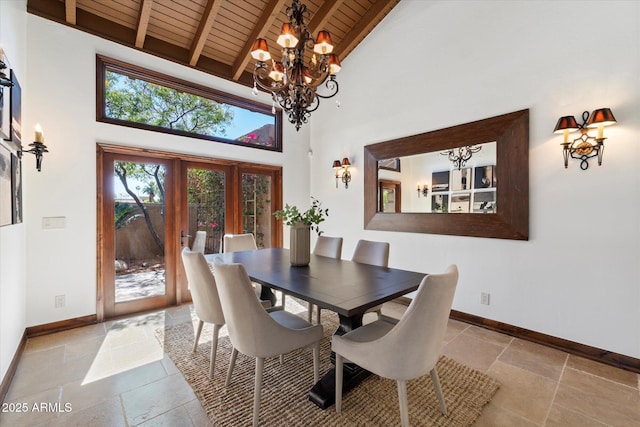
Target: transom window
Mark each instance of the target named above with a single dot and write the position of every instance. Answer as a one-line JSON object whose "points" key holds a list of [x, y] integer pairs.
{"points": [[132, 96]]}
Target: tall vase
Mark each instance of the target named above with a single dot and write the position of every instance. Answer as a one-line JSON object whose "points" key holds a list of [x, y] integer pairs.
{"points": [[300, 244]]}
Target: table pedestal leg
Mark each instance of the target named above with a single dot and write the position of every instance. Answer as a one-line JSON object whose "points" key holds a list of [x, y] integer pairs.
{"points": [[266, 294], [323, 392]]}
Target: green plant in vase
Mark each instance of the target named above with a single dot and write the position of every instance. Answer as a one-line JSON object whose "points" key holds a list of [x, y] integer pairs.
{"points": [[301, 224], [312, 217]]}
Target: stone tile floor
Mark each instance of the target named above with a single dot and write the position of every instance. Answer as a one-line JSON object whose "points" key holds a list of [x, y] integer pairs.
{"points": [[116, 374]]}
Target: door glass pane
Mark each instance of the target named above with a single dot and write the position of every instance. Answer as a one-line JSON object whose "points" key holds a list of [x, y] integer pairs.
{"points": [[256, 207], [206, 201], [139, 230]]}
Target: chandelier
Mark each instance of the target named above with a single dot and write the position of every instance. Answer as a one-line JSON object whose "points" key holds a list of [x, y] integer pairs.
{"points": [[459, 156], [306, 64]]}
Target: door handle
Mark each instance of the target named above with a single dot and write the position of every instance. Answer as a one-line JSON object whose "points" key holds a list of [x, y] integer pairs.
{"points": [[182, 237]]}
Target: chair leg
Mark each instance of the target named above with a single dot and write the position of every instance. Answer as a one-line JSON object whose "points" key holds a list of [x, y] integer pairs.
{"points": [[404, 409], [258, 390], [232, 363], [198, 332], [282, 359], [283, 295], [310, 313], [316, 362], [436, 385], [214, 349], [338, 371]]}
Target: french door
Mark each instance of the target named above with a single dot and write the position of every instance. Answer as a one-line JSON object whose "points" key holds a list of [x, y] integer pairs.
{"points": [[151, 205]]}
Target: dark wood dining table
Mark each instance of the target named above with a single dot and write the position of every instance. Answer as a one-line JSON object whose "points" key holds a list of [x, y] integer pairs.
{"points": [[345, 287]]}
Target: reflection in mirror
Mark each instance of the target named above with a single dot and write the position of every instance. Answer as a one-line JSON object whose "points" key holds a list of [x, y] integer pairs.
{"points": [[448, 198], [449, 189], [390, 196]]}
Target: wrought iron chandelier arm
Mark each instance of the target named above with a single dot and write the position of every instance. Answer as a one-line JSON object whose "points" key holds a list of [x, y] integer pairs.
{"points": [[332, 85]]}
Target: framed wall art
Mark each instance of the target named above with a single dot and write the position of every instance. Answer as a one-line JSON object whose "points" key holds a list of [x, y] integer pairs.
{"points": [[16, 188], [390, 164], [485, 177], [5, 99], [16, 112], [6, 198]]}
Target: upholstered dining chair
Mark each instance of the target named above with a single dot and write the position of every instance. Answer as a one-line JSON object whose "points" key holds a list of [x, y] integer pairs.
{"points": [[259, 334], [242, 242], [374, 253], [206, 301], [406, 350], [330, 247], [205, 298], [199, 241]]}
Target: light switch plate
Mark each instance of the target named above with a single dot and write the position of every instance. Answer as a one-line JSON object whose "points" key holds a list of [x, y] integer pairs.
{"points": [[52, 222]]}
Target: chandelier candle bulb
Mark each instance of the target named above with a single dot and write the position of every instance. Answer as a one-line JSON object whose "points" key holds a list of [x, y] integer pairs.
{"points": [[323, 44], [260, 50]]}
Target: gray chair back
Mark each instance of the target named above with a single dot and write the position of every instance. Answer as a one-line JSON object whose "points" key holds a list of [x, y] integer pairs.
{"points": [[330, 247], [199, 241], [239, 242], [420, 331], [374, 253]]}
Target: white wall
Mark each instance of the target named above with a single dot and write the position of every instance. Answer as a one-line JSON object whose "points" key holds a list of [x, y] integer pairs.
{"points": [[62, 87], [434, 64], [12, 237]]}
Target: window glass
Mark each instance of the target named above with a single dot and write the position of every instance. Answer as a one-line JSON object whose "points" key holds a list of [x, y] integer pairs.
{"points": [[142, 98]]}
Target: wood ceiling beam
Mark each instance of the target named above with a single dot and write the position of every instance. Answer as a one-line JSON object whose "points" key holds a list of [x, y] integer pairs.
{"points": [[322, 16], [368, 21], [143, 22], [70, 11], [101, 27], [208, 17], [267, 18]]}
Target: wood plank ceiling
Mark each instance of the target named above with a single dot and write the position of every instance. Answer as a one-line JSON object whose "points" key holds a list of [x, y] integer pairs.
{"points": [[214, 36]]}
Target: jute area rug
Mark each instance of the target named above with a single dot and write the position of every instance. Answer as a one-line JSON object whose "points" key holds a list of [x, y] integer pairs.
{"points": [[284, 394]]}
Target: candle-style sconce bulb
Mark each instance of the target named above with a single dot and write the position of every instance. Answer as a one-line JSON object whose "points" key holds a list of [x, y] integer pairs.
{"points": [[38, 148]]}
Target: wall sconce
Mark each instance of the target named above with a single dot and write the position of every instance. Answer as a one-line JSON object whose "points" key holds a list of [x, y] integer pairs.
{"points": [[424, 190], [342, 171], [38, 148], [582, 148]]}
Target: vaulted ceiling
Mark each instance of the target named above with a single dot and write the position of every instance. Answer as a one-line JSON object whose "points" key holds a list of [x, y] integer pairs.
{"points": [[214, 36]]}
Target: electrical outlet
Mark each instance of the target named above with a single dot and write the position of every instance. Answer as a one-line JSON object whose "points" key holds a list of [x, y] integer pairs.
{"points": [[484, 298], [60, 301]]}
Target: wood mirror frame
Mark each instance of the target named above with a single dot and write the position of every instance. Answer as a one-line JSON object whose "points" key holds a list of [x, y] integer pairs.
{"points": [[511, 221]]}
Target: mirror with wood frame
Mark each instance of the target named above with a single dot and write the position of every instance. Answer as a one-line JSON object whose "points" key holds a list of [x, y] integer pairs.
{"points": [[509, 218]]}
